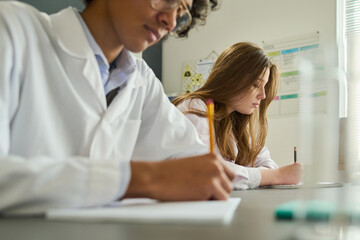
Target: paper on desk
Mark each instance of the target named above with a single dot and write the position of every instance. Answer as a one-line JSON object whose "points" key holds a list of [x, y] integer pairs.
{"points": [[152, 211], [301, 185]]}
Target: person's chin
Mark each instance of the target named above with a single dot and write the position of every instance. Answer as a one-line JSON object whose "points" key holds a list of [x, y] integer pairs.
{"points": [[249, 112], [136, 48]]}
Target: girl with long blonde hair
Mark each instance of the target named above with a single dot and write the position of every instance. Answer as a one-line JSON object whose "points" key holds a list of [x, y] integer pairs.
{"points": [[242, 84]]}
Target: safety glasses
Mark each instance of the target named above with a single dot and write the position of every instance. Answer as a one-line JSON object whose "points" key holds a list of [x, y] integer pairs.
{"points": [[183, 18]]}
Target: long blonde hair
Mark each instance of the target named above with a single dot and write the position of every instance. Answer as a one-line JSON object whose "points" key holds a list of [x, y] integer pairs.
{"points": [[234, 72]]}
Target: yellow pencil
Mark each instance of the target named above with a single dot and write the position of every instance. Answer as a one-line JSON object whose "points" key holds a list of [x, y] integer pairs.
{"points": [[210, 115]]}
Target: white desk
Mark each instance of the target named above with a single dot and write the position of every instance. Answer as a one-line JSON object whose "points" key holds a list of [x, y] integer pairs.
{"points": [[254, 219]]}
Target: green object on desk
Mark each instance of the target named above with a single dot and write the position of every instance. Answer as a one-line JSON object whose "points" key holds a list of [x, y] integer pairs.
{"points": [[317, 210]]}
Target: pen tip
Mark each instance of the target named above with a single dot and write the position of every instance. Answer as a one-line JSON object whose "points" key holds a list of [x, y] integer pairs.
{"points": [[294, 148]]}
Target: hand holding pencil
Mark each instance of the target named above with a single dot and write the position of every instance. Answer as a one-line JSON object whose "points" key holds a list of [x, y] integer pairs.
{"points": [[290, 174]]}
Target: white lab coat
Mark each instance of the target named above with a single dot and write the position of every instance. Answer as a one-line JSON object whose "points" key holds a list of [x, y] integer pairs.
{"points": [[59, 144], [246, 176]]}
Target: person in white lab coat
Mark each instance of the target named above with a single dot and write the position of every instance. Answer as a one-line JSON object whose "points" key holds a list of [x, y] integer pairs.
{"points": [[63, 142], [243, 82]]}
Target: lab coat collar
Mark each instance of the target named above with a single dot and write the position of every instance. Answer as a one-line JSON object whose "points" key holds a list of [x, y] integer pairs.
{"points": [[70, 34], [72, 40]]}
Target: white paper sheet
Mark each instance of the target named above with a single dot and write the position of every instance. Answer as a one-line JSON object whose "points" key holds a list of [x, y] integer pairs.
{"points": [[151, 211], [301, 185]]}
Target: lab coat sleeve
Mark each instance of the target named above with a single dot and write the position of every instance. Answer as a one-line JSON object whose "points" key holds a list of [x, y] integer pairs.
{"points": [[165, 131], [30, 185], [246, 177]]}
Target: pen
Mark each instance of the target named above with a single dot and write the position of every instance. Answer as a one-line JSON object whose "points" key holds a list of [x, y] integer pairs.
{"points": [[210, 115], [294, 154]]}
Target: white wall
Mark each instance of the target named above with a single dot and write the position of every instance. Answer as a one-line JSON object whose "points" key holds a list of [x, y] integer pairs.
{"points": [[254, 21]]}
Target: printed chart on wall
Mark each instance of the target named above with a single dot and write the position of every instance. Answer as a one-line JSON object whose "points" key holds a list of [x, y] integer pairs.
{"points": [[287, 54], [195, 74]]}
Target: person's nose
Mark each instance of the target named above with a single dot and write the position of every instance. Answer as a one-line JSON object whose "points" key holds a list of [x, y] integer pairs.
{"points": [[262, 94], [168, 19]]}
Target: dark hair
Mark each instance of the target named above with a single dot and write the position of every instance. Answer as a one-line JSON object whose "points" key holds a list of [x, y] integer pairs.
{"points": [[199, 12]]}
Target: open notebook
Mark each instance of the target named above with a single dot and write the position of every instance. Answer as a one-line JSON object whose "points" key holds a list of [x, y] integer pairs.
{"points": [[152, 211]]}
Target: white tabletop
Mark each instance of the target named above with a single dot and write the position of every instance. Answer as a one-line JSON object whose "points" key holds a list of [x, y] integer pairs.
{"points": [[253, 219]]}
